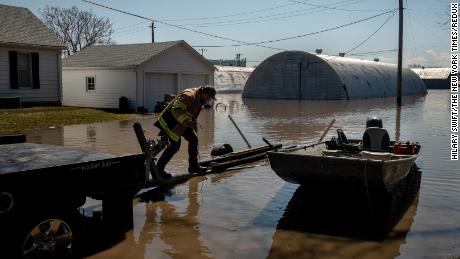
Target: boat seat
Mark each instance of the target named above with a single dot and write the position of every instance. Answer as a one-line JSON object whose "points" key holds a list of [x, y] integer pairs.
{"points": [[376, 139]]}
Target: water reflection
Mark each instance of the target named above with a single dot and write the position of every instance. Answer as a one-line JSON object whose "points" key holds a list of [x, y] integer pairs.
{"points": [[177, 231], [167, 229], [309, 118], [241, 214], [325, 223]]}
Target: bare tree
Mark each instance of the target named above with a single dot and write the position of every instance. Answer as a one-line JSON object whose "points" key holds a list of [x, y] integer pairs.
{"points": [[78, 29]]}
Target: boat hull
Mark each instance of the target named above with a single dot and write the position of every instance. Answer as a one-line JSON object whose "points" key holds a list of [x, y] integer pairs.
{"points": [[310, 169]]}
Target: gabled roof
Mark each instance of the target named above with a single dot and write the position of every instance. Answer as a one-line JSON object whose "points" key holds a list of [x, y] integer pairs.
{"points": [[125, 55], [20, 26]]}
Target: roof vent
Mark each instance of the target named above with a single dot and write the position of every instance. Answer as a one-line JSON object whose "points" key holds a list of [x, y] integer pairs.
{"points": [[341, 54], [376, 59], [319, 51]]}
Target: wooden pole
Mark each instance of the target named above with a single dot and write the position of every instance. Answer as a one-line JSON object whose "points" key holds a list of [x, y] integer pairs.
{"points": [[239, 131], [400, 46], [153, 31]]}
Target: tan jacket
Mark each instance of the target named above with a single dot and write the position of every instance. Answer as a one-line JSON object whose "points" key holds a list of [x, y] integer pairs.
{"points": [[175, 118]]}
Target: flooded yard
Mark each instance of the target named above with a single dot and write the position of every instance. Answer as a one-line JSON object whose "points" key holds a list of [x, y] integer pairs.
{"points": [[251, 213]]}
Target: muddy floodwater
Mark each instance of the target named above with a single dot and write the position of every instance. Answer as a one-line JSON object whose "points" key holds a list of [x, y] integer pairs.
{"points": [[251, 213]]}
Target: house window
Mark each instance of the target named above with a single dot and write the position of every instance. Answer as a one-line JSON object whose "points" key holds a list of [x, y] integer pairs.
{"points": [[25, 70], [90, 83]]}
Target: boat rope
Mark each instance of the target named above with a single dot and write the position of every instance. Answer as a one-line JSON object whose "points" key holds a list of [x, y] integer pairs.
{"points": [[367, 189]]}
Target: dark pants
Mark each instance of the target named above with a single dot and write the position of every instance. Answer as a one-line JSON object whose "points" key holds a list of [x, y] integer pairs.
{"points": [[173, 147]]}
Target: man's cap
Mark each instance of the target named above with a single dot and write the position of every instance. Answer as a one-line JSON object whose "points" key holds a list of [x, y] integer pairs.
{"points": [[208, 89]]}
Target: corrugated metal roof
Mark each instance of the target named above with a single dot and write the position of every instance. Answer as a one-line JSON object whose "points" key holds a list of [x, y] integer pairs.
{"points": [[432, 73], [370, 77], [117, 55], [20, 26], [303, 75]]}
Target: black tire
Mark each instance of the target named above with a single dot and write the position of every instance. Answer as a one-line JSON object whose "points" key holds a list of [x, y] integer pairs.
{"points": [[49, 235]]}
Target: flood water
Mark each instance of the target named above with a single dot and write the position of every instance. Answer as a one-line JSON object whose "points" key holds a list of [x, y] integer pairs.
{"points": [[244, 213]]}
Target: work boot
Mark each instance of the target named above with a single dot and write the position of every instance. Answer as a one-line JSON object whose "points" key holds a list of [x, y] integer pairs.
{"points": [[196, 169], [164, 175]]}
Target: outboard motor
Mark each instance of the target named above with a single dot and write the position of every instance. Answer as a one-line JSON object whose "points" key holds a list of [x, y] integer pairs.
{"points": [[374, 122], [375, 137]]}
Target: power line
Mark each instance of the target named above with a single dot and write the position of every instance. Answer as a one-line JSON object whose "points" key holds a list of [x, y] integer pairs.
{"points": [[230, 15], [365, 40], [177, 26], [368, 38], [131, 32], [302, 35], [129, 26], [277, 16], [340, 9], [425, 12], [390, 50]]}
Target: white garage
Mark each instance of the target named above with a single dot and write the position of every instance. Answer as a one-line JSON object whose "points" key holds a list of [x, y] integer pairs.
{"points": [[99, 76]]}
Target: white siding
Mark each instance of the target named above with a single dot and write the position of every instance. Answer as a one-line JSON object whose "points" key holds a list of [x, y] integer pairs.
{"points": [[193, 80], [189, 68], [49, 67], [111, 84], [156, 86]]}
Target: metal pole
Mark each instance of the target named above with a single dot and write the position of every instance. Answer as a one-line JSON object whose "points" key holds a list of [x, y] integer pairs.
{"points": [[327, 130], [239, 131], [400, 46]]}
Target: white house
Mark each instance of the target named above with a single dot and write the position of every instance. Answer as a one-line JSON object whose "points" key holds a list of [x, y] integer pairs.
{"points": [[99, 75], [30, 58]]}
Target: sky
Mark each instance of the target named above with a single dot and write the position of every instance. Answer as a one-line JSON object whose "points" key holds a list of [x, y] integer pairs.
{"points": [[360, 28]]}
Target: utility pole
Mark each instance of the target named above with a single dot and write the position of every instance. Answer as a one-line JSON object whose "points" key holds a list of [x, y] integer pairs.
{"points": [[238, 58], [400, 46], [153, 31], [202, 50]]}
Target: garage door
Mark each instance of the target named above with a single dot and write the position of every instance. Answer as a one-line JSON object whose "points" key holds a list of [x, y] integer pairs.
{"points": [[193, 80], [156, 86]]}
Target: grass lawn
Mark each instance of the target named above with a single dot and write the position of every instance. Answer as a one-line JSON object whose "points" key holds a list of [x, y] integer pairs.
{"points": [[18, 120]]}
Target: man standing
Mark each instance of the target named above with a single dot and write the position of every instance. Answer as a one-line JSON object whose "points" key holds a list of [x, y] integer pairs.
{"points": [[178, 120]]}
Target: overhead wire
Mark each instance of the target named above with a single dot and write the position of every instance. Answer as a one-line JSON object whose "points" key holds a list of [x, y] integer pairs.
{"points": [[230, 15], [176, 26], [130, 26], [340, 9], [370, 36], [266, 18], [300, 36], [410, 35], [242, 43]]}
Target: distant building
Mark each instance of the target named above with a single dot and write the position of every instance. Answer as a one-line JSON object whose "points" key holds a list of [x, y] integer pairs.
{"points": [[306, 76], [228, 62], [231, 79], [30, 58], [98, 76], [434, 78]]}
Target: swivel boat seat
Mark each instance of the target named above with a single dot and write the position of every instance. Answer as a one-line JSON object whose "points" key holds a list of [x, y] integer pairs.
{"points": [[376, 138]]}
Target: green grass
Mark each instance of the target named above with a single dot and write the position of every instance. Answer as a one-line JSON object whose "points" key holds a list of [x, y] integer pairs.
{"points": [[18, 120]]}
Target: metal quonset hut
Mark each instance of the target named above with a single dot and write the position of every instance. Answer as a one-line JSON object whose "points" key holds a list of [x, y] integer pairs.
{"points": [[302, 75], [434, 78], [228, 79]]}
